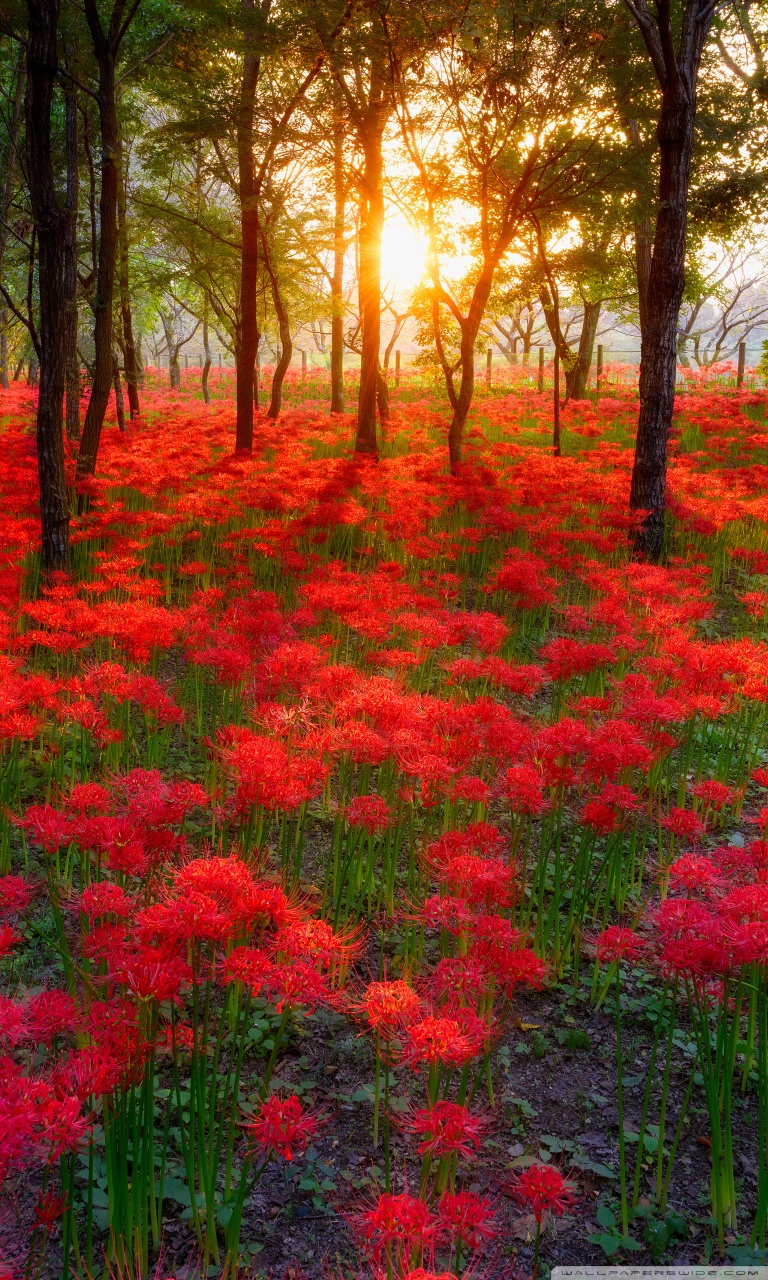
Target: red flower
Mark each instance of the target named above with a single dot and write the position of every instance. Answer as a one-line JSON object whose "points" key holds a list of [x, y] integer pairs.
{"points": [[48, 1209], [615, 944], [445, 1128], [453, 1040], [467, 1217], [543, 1188], [390, 1006], [283, 1126], [369, 812], [401, 1220]]}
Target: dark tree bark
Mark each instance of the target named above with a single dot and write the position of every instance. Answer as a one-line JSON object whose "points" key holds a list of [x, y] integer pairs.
{"points": [[677, 70], [8, 167], [71, 358], [207, 355], [106, 47], [337, 278], [577, 376], [129, 345], [248, 337], [119, 401], [371, 133], [286, 344], [642, 269], [50, 223]]}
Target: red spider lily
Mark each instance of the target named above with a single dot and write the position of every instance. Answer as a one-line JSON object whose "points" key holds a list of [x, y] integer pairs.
{"points": [[9, 937], [466, 1217], [315, 941], [399, 1220], [684, 824], [104, 898], [446, 1128], [298, 983], [248, 965], [15, 894], [694, 873], [515, 968], [283, 1126], [543, 1189], [48, 1209], [615, 944], [450, 1040], [714, 794], [369, 812], [390, 1006]]}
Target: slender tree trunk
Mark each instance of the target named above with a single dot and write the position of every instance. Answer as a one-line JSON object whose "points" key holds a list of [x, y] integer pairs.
{"points": [[71, 359], [245, 354], [658, 361], [382, 394], [469, 331], [207, 351], [642, 269], [105, 277], [119, 401], [337, 279], [677, 70], [577, 376], [286, 345], [129, 346], [8, 166], [50, 223], [371, 228]]}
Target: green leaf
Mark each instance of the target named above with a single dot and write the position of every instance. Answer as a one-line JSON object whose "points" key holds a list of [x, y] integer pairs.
{"points": [[176, 1190], [604, 1216], [608, 1244]]}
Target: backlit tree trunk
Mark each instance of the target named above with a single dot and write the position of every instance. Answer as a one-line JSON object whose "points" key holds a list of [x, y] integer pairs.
{"points": [[71, 359], [248, 337], [337, 279], [577, 376], [286, 344], [677, 70], [8, 168], [129, 345], [50, 225], [106, 53], [371, 228]]}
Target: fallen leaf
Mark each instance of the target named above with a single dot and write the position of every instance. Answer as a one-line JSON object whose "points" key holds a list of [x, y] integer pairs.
{"points": [[529, 1026]]}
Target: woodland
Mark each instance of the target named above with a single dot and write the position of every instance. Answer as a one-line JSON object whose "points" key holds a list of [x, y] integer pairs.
{"points": [[383, 637]]}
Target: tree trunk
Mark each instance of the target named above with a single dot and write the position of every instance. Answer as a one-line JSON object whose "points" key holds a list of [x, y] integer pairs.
{"points": [[119, 401], [245, 354], [129, 346], [50, 224], [658, 360], [337, 279], [382, 394], [8, 165], [105, 276], [286, 345], [642, 269], [371, 228], [207, 351], [71, 360], [577, 376]]}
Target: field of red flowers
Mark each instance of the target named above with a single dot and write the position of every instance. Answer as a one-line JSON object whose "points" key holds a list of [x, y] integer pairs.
{"points": [[383, 853]]}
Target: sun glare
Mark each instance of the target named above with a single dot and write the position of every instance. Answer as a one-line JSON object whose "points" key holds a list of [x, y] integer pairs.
{"points": [[403, 255]]}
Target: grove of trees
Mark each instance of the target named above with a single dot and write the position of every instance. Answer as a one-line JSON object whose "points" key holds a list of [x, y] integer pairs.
{"points": [[220, 172]]}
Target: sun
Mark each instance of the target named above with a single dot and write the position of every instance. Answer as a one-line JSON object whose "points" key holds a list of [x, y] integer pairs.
{"points": [[403, 255]]}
